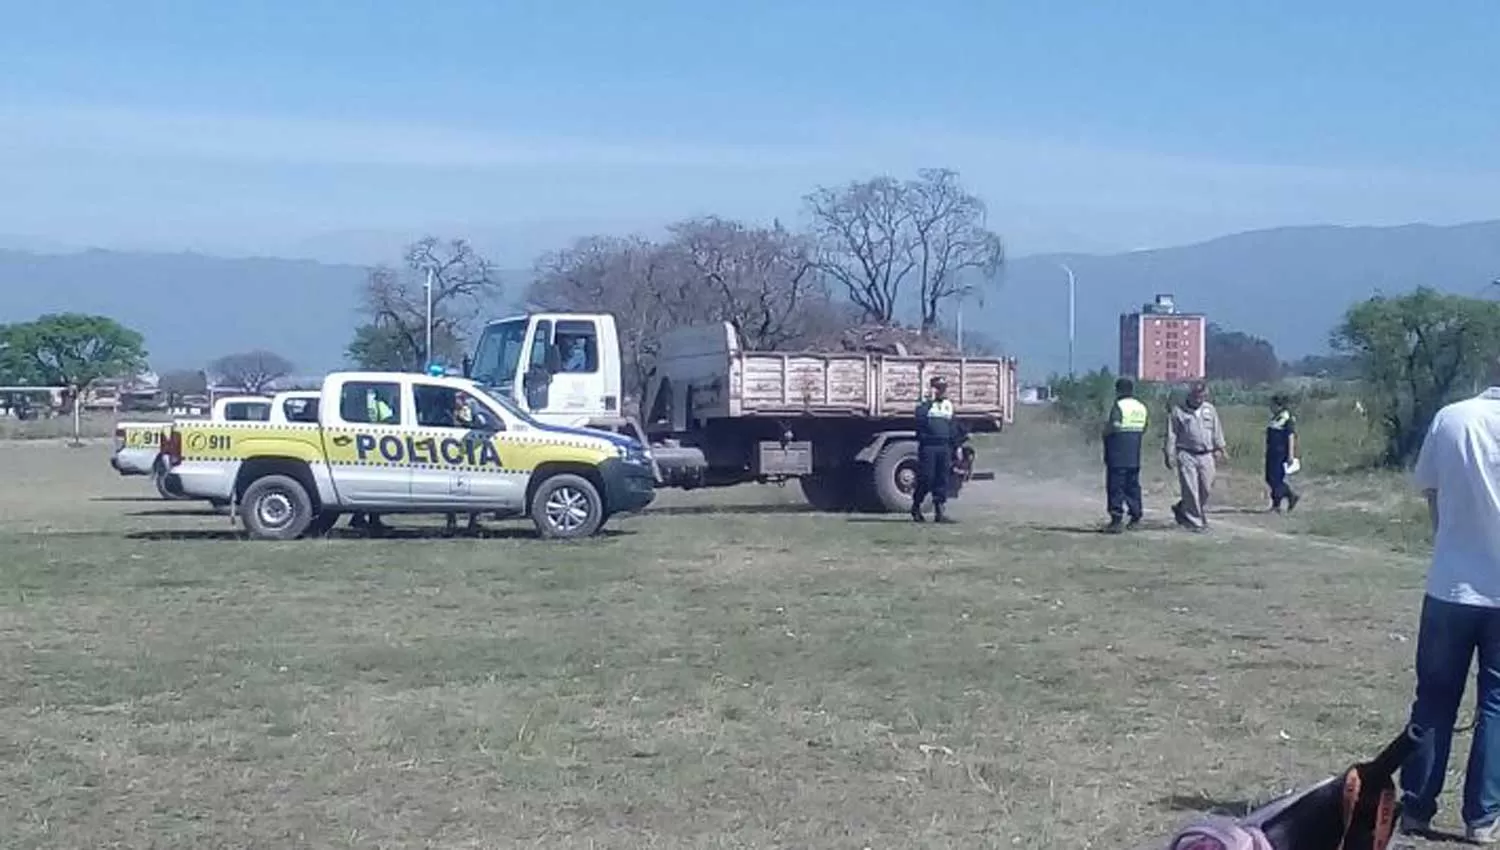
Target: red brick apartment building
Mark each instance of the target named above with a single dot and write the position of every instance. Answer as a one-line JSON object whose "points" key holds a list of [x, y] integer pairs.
{"points": [[1160, 344]]}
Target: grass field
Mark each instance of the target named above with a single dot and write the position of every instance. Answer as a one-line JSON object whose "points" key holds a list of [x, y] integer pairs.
{"points": [[728, 670]]}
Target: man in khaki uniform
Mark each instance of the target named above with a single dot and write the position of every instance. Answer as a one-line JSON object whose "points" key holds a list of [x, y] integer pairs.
{"points": [[1195, 441]]}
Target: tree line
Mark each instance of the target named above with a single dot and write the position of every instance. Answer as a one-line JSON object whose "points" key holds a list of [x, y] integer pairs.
{"points": [[1402, 356], [77, 351], [871, 253]]}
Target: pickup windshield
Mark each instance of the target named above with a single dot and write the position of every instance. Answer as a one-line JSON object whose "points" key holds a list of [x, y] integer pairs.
{"points": [[498, 355]]}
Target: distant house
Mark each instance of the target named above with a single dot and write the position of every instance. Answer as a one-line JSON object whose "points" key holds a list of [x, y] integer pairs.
{"points": [[1035, 395]]}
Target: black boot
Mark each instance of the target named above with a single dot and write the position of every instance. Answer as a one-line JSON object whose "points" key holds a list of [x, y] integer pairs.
{"points": [[940, 516], [916, 512], [1116, 526]]}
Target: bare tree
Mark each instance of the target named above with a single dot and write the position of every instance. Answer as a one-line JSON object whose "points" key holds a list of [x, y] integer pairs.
{"points": [[874, 236], [762, 280], [395, 300], [251, 371], [862, 233], [952, 246]]}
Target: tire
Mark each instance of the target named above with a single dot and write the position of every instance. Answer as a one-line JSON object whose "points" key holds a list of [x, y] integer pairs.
{"points": [[159, 477], [323, 523], [556, 507], [831, 491], [895, 476], [276, 507]]}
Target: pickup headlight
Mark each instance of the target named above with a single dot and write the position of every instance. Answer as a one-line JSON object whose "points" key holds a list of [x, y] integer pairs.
{"points": [[633, 454]]}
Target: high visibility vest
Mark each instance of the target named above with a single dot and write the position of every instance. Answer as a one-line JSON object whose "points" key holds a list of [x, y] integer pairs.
{"points": [[1132, 415], [1122, 442]]}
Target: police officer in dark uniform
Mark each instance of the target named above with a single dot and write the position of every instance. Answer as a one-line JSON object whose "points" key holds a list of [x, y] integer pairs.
{"points": [[938, 437], [1122, 456], [1281, 448]]}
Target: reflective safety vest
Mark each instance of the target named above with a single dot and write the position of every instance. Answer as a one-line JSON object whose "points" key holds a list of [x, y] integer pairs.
{"points": [[1130, 415], [1127, 427], [935, 425]]}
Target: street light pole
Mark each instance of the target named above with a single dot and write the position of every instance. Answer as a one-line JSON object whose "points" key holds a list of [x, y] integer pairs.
{"points": [[427, 352], [1072, 314]]}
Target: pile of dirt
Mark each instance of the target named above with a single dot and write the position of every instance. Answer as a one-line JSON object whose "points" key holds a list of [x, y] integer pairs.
{"points": [[893, 339]]}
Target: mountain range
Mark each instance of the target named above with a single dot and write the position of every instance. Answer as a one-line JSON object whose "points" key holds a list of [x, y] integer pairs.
{"points": [[1289, 285]]}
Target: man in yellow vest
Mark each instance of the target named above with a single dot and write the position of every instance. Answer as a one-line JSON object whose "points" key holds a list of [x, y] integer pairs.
{"points": [[377, 412], [1122, 456]]}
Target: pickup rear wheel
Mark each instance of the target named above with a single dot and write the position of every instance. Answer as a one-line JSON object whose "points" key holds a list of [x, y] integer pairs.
{"points": [[159, 477], [567, 506], [276, 507]]}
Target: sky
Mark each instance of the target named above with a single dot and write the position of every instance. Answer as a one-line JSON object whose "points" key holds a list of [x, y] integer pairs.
{"points": [[336, 129]]}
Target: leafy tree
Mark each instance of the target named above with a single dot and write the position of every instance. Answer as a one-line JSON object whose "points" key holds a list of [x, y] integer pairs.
{"points": [[73, 350], [1336, 367], [385, 348], [15, 368], [1237, 356], [880, 237], [1417, 352], [253, 371]]}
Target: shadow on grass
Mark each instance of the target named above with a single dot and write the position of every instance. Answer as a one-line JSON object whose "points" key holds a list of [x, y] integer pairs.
{"points": [[181, 512], [387, 534], [748, 510], [1099, 528], [127, 499], [1204, 804]]}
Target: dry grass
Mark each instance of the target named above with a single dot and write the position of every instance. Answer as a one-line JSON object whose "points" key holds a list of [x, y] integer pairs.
{"points": [[729, 670]]}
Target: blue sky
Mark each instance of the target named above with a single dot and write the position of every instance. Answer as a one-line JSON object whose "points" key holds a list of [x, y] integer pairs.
{"points": [[335, 129]]}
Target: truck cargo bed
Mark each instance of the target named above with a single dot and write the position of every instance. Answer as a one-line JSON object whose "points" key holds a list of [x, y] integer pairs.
{"points": [[710, 375]]}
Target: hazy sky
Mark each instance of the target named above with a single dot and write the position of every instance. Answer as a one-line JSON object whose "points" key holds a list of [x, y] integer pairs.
{"points": [[321, 128]]}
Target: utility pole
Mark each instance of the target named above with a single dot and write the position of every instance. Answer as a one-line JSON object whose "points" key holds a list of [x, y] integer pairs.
{"points": [[427, 352], [1072, 313]]}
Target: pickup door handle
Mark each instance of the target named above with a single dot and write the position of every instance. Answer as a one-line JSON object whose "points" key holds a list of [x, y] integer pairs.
{"points": [[342, 440]]}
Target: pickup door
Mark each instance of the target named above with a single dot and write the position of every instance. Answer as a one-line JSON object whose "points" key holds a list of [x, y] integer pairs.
{"points": [[459, 450], [364, 439]]}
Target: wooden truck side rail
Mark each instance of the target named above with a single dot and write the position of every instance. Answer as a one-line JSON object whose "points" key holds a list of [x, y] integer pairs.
{"points": [[709, 375]]}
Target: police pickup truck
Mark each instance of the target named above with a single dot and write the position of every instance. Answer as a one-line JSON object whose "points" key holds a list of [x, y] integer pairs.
{"points": [[400, 443], [137, 445]]}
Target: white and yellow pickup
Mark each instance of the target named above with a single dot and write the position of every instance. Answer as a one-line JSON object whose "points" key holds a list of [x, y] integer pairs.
{"points": [[137, 445], [402, 443]]}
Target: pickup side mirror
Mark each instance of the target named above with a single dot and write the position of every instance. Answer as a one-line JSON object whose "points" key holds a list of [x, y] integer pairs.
{"points": [[554, 360], [468, 365]]}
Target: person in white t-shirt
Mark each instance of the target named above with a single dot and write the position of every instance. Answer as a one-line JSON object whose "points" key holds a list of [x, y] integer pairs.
{"points": [[1458, 470]]}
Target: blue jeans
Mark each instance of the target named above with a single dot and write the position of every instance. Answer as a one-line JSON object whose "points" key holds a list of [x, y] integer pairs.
{"points": [[1447, 640]]}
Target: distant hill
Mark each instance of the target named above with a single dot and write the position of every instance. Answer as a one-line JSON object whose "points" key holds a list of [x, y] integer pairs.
{"points": [[193, 308], [1289, 285]]}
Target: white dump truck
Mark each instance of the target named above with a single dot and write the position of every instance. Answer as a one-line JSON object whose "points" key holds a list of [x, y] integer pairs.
{"points": [[715, 414], [137, 445]]}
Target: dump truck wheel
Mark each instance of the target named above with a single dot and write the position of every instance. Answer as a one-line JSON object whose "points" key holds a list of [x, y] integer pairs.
{"points": [[831, 491], [276, 507], [895, 475]]}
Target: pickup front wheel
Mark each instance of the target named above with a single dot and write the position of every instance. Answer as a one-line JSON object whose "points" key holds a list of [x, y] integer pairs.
{"points": [[276, 507], [567, 506]]}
